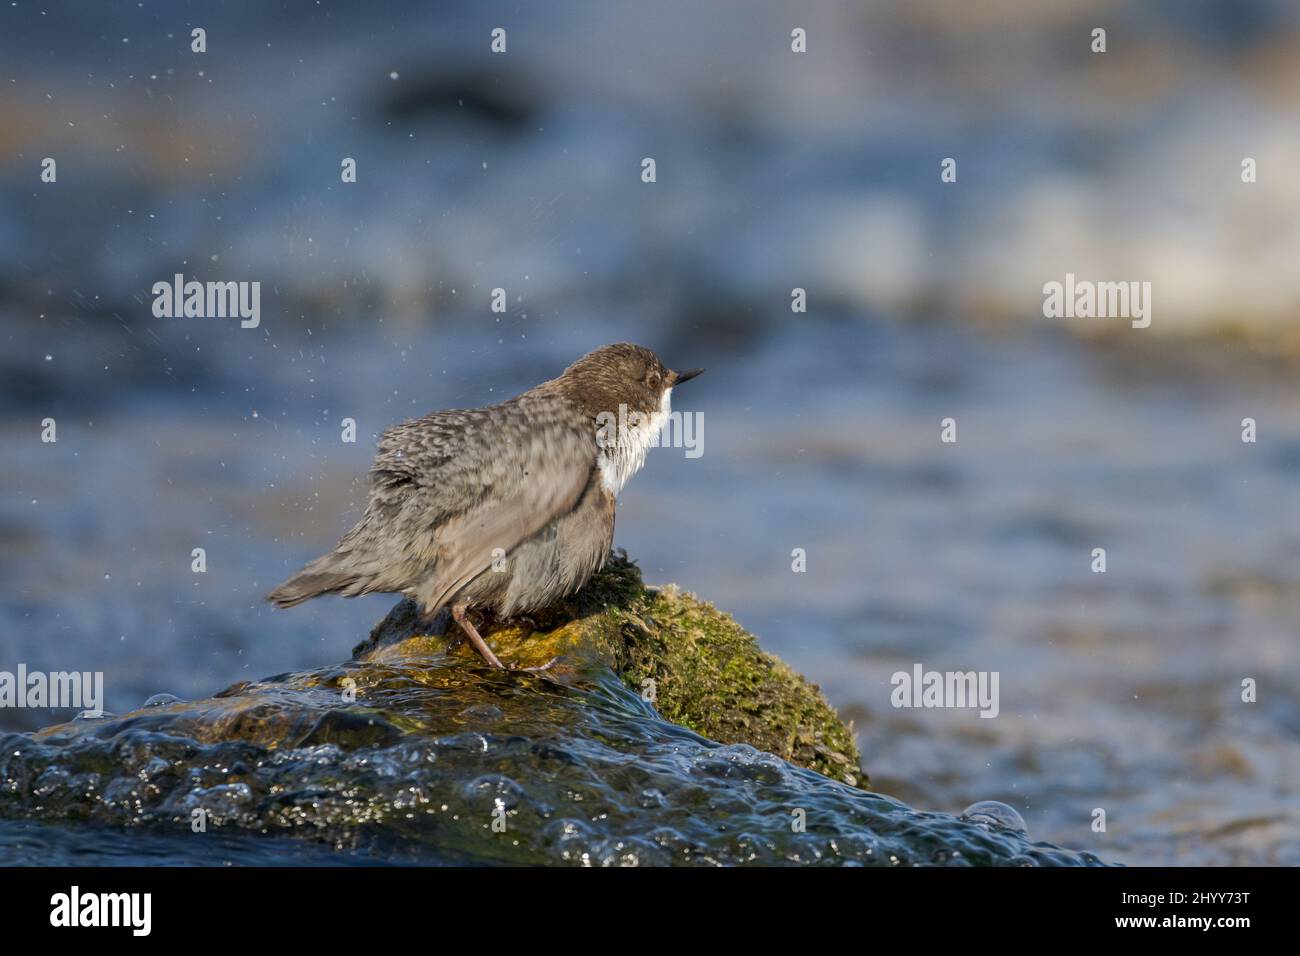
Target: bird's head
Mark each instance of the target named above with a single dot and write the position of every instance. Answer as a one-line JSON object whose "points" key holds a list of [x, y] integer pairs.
{"points": [[623, 375]]}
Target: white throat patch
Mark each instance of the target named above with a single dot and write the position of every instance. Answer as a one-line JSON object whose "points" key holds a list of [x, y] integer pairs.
{"points": [[620, 460]]}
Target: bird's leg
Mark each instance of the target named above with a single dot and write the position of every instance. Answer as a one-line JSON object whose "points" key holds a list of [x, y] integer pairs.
{"points": [[459, 616]]}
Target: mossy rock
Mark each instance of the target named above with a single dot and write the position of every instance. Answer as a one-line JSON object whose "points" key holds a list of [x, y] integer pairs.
{"points": [[694, 663]]}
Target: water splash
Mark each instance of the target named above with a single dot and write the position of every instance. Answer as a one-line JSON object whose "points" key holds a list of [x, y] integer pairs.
{"points": [[439, 762]]}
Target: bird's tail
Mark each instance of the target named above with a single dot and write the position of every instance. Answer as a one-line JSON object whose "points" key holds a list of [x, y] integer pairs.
{"points": [[325, 575]]}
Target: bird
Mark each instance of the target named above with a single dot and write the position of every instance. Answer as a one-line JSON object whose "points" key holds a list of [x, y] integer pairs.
{"points": [[505, 508]]}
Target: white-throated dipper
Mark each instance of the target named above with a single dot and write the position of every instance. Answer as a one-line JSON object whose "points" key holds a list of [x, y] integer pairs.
{"points": [[505, 508]]}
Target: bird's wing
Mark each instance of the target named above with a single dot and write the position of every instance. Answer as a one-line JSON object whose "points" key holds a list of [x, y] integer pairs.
{"points": [[457, 485]]}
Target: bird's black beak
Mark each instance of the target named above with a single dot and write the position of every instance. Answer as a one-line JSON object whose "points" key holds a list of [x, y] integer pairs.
{"points": [[686, 376]]}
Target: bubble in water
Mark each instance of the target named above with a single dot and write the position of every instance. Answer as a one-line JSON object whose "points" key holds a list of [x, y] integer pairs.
{"points": [[162, 700], [994, 816]]}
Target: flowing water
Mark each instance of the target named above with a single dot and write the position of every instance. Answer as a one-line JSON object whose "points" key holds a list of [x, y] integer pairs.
{"points": [[449, 764]]}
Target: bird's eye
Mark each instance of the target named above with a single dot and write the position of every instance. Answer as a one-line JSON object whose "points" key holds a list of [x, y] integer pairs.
{"points": [[653, 378]]}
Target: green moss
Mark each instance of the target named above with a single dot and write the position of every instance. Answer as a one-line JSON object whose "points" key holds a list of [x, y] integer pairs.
{"points": [[698, 667], [712, 677]]}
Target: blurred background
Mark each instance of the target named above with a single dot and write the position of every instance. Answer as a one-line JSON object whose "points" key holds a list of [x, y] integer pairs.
{"points": [[775, 170]]}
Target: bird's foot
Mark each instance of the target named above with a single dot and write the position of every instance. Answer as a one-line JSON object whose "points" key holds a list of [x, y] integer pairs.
{"points": [[466, 625], [540, 668]]}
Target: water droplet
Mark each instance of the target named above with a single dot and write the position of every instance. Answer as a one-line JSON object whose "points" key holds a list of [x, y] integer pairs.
{"points": [[162, 700], [994, 816]]}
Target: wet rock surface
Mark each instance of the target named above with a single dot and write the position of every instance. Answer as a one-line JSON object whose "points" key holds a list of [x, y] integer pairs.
{"points": [[415, 752]]}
